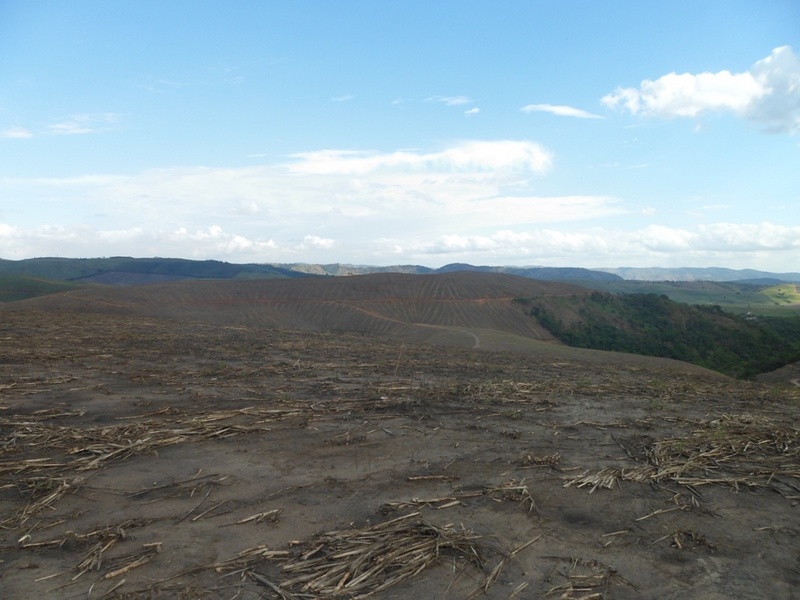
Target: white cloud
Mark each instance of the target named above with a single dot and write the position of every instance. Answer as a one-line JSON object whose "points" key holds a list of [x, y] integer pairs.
{"points": [[72, 125], [80, 240], [83, 123], [560, 110], [768, 93], [747, 237], [766, 246], [472, 111], [315, 242], [120, 235], [450, 100], [688, 95], [738, 245], [247, 207], [467, 156], [518, 247], [215, 239], [345, 98], [539, 209], [16, 133], [664, 239], [471, 201], [779, 76]]}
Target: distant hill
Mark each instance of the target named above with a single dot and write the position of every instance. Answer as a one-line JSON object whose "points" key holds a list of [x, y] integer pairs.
{"points": [[758, 295], [344, 270], [448, 306], [654, 274], [542, 273], [766, 298], [654, 325], [462, 308], [122, 270], [703, 274]]}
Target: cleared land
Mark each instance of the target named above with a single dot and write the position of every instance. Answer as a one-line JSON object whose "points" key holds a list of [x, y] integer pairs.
{"points": [[412, 306], [149, 451]]}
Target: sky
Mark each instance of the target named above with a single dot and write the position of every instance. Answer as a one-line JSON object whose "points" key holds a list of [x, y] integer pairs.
{"points": [[380, 132]]}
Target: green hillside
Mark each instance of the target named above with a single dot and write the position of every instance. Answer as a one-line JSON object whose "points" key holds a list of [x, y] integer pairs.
{"points": [[124, 270], [783, 294], [733, 296], [654, 325]]}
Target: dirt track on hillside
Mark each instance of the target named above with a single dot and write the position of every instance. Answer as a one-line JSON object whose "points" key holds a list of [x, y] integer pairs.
{"points": [[144, 458]]}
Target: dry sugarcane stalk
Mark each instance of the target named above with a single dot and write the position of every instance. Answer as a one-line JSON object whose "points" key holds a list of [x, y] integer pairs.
{"points": [[272, 515], [150, 550], [365, 561]]}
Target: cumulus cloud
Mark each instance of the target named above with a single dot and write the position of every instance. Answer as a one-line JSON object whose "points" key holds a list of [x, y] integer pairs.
{"points": [[743, 243], [560, 110], [470, 201], [472, 111], [216, 241], [768, 93], [82, 240], [737, 245], [538, 245], [316, 242]]}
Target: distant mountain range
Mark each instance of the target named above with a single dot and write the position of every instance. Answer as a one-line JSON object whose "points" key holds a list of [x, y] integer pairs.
{"points": [[704, 274], [121, 270], [543, 273]]}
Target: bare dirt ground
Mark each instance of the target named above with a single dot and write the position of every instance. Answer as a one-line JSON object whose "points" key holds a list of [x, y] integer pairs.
{"points": [[142, 458]]}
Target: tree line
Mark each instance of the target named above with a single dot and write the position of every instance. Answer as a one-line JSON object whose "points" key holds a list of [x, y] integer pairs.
{"points": [[654, 325]]}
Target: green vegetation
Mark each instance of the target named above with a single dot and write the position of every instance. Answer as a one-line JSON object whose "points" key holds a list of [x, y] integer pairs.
{"points": [[733, 296], [115, 269], [785, 293], [654, 325]]}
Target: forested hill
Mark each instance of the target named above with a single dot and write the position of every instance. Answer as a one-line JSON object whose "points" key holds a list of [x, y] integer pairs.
{"points": [[654, 325], [123, 270]]}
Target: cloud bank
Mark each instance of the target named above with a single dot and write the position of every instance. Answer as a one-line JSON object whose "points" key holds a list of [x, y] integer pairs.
{"points": [[472, 156], [740, 245], [475, 201], [768, 94]]}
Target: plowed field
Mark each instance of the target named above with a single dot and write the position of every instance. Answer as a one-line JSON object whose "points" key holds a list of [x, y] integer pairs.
{"points": [[413, 306], [151, 450]]}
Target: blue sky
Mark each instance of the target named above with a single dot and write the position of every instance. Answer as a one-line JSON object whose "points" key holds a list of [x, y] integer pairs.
{"points": [[559, 133]]}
